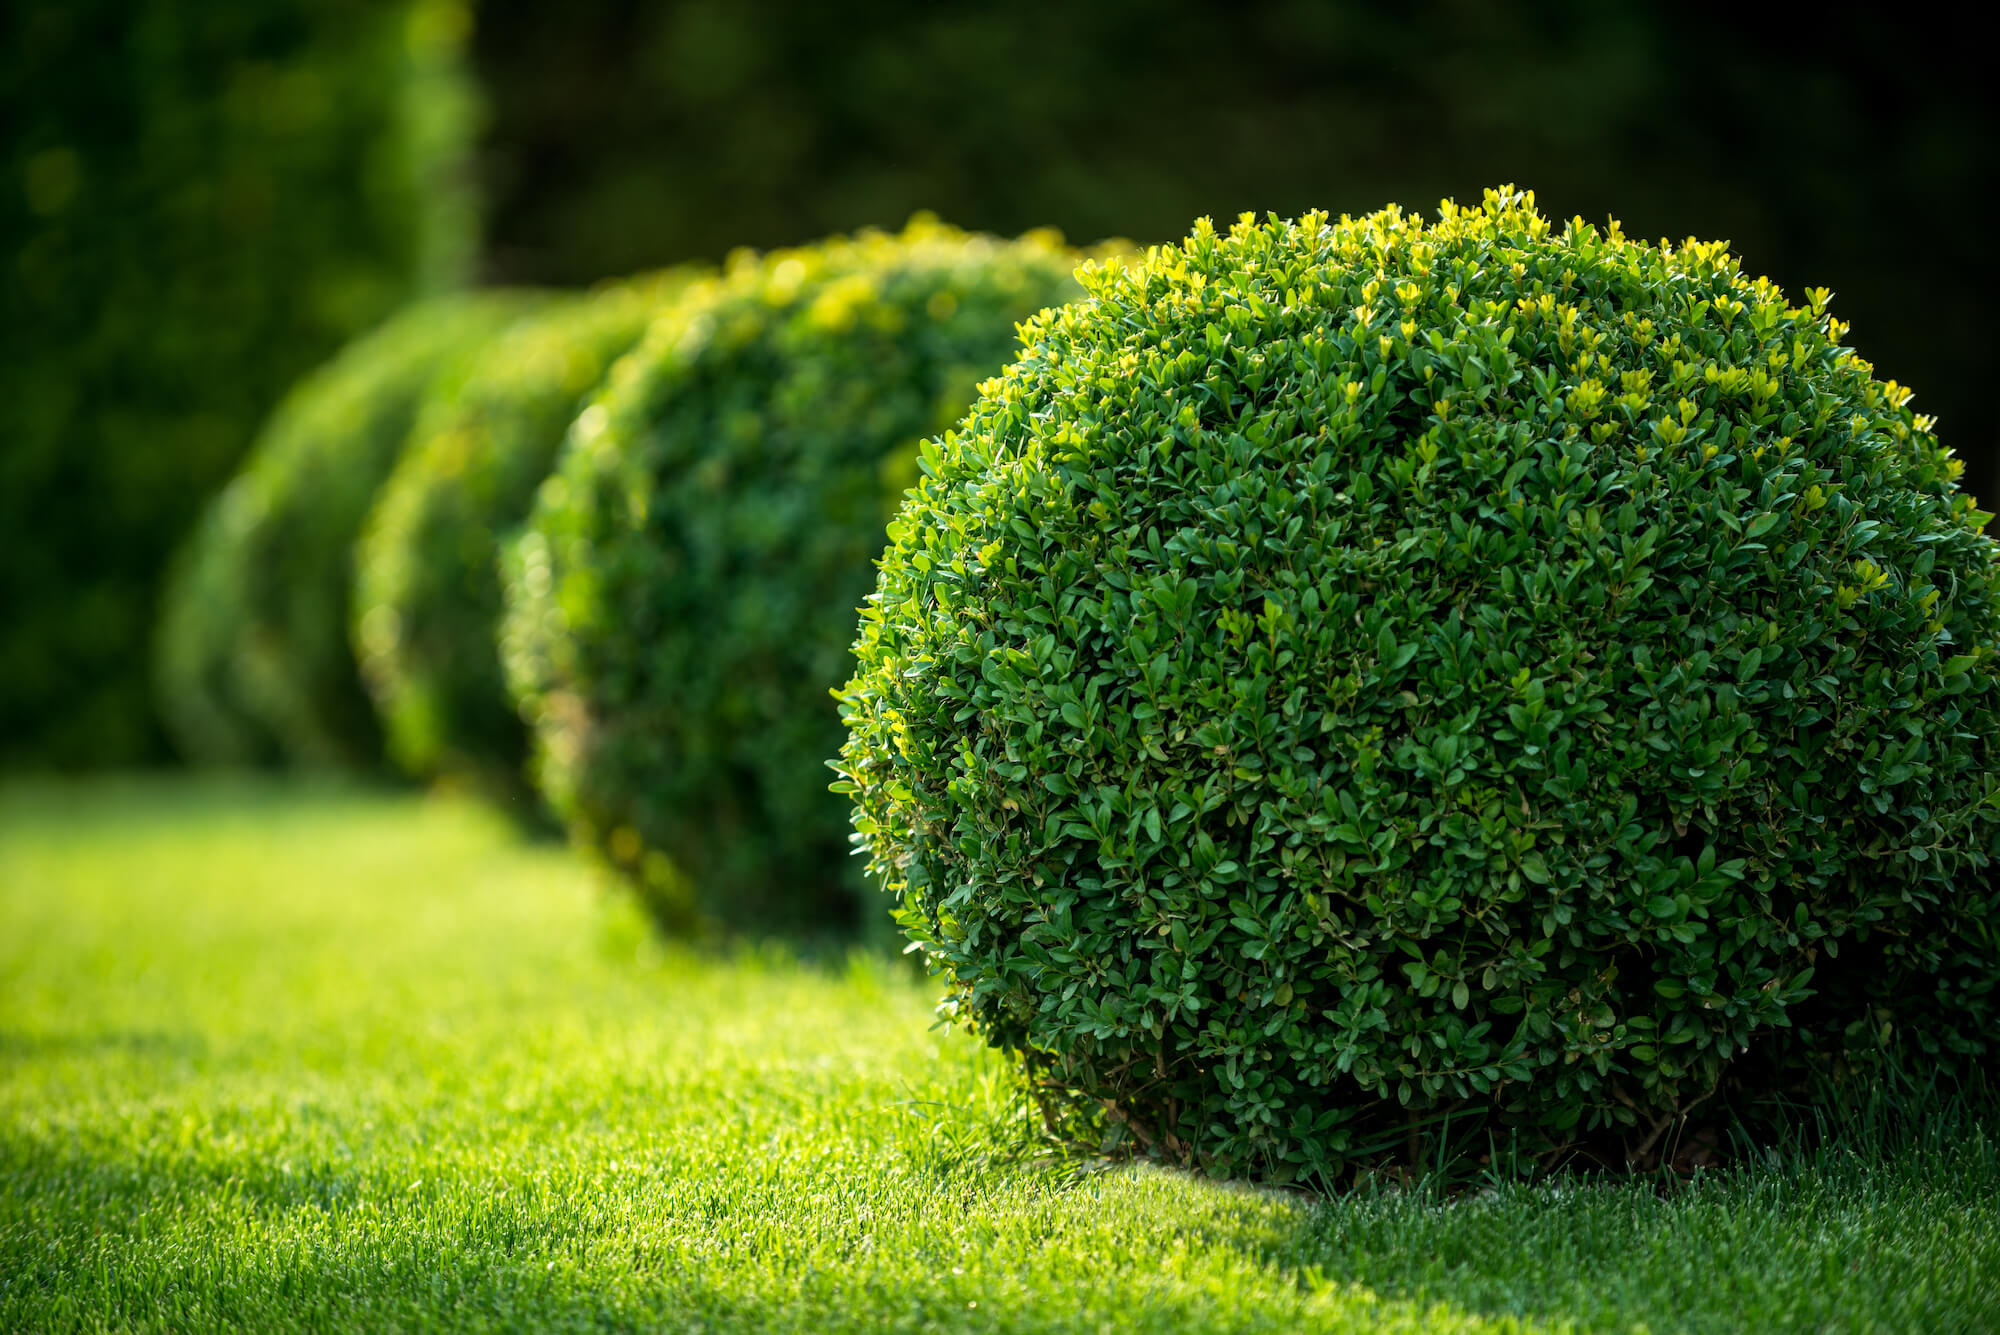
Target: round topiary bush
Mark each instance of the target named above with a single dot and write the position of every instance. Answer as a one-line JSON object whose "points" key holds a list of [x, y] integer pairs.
{"points": [[1351, 674], [253, 631], [681, 604], [427, 581]]}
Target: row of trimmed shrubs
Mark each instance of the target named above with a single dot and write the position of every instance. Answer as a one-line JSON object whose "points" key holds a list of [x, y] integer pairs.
{"points": [[406, 568], [1339, 680]]}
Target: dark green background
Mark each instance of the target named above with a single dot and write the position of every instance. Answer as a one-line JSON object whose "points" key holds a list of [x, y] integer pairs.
{"points": [[199, 200], [1851, 150]]}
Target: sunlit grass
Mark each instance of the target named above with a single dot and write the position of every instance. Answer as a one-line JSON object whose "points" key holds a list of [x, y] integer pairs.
{"points": [[329, 1059]]}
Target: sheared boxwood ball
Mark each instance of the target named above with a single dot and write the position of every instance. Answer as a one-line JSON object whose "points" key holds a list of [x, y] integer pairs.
{"points": [[253, 651], [1349, 673], [427, 580], [681, 605]]}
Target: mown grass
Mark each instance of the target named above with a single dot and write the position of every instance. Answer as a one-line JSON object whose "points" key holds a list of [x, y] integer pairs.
{"points": [[298, 1059]]}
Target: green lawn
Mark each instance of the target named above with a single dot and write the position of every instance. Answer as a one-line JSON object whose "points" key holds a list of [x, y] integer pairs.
{"points": [[317, 1059]]}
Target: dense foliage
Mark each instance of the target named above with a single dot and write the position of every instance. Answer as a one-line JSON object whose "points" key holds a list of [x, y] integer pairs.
{"points": [[1349, 673], [682, 601], [253, 648], [427, 579], [201, 202]]}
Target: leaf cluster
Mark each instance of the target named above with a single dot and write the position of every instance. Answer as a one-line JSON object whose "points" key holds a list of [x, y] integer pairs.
{"points": [[1348, 673]]}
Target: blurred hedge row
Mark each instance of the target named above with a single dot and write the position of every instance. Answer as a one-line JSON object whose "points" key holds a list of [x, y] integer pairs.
{"points": [[253, 637], [653, 508], [201, 202]]}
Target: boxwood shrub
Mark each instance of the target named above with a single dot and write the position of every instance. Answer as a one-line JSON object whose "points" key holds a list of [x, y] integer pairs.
{"points": [[1349, 674], [681, 603], [253, 652], [427, 581]]}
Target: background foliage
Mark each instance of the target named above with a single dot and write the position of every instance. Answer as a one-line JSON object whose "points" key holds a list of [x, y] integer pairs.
{"points": [[200, 201]]}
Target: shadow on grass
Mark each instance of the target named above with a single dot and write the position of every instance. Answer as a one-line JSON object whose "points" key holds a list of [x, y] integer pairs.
{"points": [[171, 1240], [175, 1238]]}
